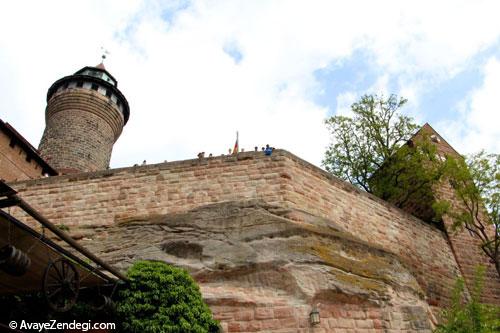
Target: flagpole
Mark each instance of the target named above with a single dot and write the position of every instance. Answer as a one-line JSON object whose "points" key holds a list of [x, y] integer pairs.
{"points": [[236, 148]]}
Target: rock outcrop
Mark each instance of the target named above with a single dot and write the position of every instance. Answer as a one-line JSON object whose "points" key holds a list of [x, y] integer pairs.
{"points": [[263, 267]]}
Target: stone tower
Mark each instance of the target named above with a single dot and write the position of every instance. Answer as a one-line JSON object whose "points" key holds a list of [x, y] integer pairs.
{"points": [[84, 117]]}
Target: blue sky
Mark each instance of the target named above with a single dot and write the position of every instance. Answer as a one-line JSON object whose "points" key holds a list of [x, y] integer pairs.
{"points": [[357, 73], [195, 72]]}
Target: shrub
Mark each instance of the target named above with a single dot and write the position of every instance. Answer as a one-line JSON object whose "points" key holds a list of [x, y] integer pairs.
{"points": [[162, 298], [470, 316]]}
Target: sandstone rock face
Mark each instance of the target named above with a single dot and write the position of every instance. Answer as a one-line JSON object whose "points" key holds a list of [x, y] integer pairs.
{"points": [[260, 270]]}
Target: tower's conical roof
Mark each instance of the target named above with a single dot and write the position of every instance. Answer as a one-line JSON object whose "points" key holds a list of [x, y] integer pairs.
{"points": [[101, 66]]}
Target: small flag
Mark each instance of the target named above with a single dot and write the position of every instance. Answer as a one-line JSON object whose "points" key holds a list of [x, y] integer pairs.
{"points": [[236, 146]]}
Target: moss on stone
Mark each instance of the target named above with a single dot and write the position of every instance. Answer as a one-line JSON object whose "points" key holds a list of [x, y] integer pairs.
{"points": [[366, 284]]}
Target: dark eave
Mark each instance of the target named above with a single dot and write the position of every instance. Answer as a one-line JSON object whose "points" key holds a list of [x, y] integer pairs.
{"points": [[31, 151], [88, 78]]}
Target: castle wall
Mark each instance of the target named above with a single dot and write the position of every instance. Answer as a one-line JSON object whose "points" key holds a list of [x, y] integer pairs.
{"points": [[422, 246], [108, 197], [467, 250], [335, 318]]}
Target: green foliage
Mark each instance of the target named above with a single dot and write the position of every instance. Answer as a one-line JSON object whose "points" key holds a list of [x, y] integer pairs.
{"points": [[362, 143], [162, 298], [477, 185], [470, 316], [408, 176], [372, 151], [157, 298], [62, 227]]}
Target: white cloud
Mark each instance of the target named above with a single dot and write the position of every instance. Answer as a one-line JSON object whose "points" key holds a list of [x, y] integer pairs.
{"points": [[344, 102], [479, 115], [42, 41], [188, 95]]}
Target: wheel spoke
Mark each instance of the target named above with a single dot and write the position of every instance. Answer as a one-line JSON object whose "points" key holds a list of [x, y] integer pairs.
{"points": [[61, 278], [61, 284], [63, 264], [55, 278], [53, 293], [70, 274]]}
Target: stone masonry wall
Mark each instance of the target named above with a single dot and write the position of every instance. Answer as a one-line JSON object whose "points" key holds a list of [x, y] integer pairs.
{"points": [[376, 221], [112, 196], [82, 126], [467, 250], [465, 246]]}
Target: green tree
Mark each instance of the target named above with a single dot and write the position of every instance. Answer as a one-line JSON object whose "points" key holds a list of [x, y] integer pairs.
{"points": [[162, 298], [408, 177], [476, 181], [362, 143], [372, 151], [377, 150]]}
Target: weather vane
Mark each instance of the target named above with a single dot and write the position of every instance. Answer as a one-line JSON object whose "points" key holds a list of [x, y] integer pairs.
{"points": [[104, 53]]}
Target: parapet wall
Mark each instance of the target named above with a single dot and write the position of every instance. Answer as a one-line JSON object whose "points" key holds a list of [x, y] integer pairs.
{"points": [[106, 197]]}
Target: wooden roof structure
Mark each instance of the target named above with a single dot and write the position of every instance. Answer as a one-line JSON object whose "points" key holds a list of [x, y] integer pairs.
{"points": [[44, 247]]}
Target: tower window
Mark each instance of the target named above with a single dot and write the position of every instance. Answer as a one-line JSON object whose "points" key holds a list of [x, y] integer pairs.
{"points": [[108, 93], [435, 138], [79, 84], [65, 86], [94, 86]]}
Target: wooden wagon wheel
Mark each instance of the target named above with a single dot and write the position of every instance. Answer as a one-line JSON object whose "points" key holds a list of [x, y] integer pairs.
{"points": [[61, 283]]}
